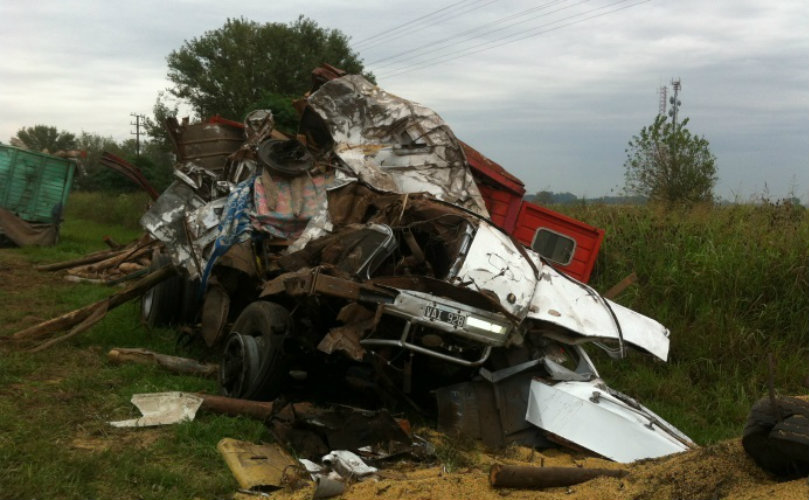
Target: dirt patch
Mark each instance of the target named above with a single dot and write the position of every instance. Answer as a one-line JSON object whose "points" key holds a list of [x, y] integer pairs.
{"points": [[721, 471], [144, 438], [24, 303]]}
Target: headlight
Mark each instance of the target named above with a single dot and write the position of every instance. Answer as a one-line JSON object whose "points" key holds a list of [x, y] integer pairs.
{"points": [[485, 325]]}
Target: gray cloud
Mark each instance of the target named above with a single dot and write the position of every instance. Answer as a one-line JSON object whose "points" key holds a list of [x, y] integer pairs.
{"points": [[557, 109]]}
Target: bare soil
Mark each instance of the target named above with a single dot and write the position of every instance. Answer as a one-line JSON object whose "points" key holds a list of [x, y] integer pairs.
{"points": [[720, 471]]}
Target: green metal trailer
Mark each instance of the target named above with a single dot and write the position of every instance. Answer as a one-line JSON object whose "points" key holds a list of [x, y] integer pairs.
{"points": [[34, 186]]}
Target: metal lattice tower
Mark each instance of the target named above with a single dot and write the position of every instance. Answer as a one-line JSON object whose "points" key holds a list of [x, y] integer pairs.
{"points": [[662, 103], [674, 100]]}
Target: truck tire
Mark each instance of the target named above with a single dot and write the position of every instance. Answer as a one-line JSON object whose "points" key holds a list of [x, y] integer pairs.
{"points": [[778, 440], [160, 305], [254, 365]]}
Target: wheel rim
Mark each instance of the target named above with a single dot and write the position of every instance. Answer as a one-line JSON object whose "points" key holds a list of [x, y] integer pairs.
{"points": [[240, 365], [147, 303]]}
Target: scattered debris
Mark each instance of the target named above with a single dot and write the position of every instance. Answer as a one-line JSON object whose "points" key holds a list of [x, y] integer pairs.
{"points": [[34, 188], [112, 266], [236, 407], [326, 487], [129, 171], [537, 478], [600, 419], [348, 464], [162, 408], [259, 467], [83, 318], [175, 364]]}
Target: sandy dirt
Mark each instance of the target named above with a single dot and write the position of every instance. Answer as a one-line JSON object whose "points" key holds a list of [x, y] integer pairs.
{"points": [[720, 471]]}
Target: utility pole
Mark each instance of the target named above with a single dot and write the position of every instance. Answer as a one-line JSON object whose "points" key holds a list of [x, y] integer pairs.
{"points": [[661, 110], [674, 100], [136, 133]]}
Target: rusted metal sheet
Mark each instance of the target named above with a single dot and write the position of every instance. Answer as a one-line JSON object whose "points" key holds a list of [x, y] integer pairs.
{"points": [[205, 144]]}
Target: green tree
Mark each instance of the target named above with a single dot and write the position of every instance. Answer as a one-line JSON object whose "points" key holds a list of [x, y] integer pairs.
{"points": [[665, 162], [228, 70], [156, 126], [46, 138]]}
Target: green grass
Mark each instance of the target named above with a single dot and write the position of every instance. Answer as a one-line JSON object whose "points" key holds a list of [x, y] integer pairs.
{"points": [[732, 285], [55, 441]]}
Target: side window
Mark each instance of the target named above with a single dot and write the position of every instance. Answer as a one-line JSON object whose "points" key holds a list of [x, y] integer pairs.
{"points": [[554, 246]]}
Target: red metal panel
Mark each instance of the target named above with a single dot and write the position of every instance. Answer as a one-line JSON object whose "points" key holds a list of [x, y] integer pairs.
{"points": [[503, 206], [491, 172], [588, 238]]}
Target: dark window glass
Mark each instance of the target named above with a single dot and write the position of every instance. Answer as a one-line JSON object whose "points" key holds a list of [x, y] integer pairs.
{"points": [[554, 246]]}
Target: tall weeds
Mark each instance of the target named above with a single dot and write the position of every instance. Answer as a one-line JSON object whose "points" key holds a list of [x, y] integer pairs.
{"points": [[732, 285]]}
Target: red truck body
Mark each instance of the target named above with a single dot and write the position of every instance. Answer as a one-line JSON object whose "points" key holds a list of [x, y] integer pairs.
{"points": [[571, 245]]}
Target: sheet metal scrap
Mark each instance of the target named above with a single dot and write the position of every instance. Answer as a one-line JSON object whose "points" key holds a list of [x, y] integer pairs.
{"points": [[260, 467], [393, 144]]}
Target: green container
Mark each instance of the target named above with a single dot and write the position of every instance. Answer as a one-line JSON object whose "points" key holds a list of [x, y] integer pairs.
{"points": [[34, 186]]}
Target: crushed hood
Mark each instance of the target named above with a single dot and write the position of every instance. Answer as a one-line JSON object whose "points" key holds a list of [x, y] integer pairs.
{"points": [[393, 144]]}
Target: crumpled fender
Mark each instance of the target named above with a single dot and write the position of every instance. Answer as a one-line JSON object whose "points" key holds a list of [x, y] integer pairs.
{"points": [[563, 301]]}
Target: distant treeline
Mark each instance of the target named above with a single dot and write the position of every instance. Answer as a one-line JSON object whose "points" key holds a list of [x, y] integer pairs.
{"points": [[567, 198]]}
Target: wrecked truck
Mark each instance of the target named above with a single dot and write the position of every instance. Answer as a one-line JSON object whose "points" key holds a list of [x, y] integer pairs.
{"points": [[361, 249]]}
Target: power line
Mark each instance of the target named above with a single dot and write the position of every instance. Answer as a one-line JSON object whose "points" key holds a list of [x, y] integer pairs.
{"points": [[408, 23], [470, 33], [536, 31], [426, 25]]}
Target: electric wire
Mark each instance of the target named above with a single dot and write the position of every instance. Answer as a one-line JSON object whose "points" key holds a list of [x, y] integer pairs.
{"points": [[439, 45], [536, 31], [388, 33], [424, 26]]}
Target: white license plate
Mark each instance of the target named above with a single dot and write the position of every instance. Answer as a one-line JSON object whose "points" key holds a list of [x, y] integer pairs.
{"points": [[444, 316]]}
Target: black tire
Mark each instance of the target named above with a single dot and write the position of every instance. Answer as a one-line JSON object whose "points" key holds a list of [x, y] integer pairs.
{"points": [[778, 440], [160, 305], [191, 303], [254, 365]]}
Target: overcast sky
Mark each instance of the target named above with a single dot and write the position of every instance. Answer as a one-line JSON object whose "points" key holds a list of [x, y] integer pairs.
{"points": [[552, 90]]}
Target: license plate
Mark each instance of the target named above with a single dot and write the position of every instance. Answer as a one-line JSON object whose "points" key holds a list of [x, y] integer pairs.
{"points": [[449, 317]]}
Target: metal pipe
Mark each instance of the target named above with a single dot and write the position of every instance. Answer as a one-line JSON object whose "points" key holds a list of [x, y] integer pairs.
{"points": [[404, 344]]}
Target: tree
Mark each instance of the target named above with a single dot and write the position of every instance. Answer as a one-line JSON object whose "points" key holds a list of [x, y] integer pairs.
{"points": [[228, 70], [665, 162], [46, 139]]}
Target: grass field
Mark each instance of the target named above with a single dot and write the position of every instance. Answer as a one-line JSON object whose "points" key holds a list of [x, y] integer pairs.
{"points": [[54, 405], [731, 283]]}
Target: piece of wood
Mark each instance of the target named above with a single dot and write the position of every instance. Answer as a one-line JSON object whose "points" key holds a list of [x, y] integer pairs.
{"points": [[533, 478], [236, 407], [96, 315], [75, 317], [129, 267], [114, 261], [622, 285], [112, 243], [81, 261], [175, 364], [79, 279]]}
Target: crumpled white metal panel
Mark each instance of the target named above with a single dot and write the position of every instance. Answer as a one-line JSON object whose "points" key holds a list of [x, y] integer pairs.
{"points": [[563, 301], [589, 415], [394, 144], [162, 408], [493, 263]]}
